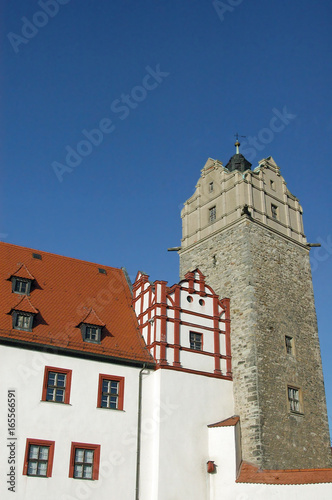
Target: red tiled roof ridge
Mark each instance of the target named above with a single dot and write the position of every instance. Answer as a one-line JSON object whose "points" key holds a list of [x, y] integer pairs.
{"points": [[33, 250], [228, 422], [24, 305], [92, 318], [250, 473], [23, 273]]}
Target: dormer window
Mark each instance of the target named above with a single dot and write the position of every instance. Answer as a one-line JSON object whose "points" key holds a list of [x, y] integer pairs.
{"points": [[21, 286], [22, 321], [91, 333]]}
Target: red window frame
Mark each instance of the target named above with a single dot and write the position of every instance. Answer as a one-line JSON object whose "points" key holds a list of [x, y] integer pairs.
{"points": [[39, 442], [121, 390], [49, 369], [96, 459]]}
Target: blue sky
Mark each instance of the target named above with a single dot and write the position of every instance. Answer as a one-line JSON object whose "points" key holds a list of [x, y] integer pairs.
{"points": [[208, 72]]}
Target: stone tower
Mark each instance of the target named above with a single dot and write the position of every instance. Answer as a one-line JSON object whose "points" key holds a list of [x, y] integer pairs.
{"points": [[243, 229]]}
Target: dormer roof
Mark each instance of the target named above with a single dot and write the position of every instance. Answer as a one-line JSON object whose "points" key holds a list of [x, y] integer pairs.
{"points": [[91, 318], [24, 305], [22, 272]]}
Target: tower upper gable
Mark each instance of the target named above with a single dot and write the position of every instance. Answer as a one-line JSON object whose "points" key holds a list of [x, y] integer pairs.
{"points": [[223, 197]]}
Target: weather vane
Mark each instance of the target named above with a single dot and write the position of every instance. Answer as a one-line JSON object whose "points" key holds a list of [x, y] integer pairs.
{"points": [[237, 144]]}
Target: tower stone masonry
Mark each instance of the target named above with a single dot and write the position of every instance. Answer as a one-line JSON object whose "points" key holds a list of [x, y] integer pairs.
{"points": [[243, 229]]}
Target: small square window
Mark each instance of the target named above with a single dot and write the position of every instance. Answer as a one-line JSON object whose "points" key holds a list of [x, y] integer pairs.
{"points": [[211, 187], [57, 383], [84, 461], [22, 321], [294, 400], [91, 333], [212, 214], [289, 345], [196, 341], [274, 212], [110, 392], [21, 286], [38, 458]]}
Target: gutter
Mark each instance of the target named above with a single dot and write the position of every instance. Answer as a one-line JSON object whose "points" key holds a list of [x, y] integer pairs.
{"points": [[139, 425]]}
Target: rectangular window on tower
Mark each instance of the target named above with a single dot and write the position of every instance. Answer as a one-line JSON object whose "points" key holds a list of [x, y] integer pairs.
{"points": [[294, 399], [212, 214], [289, 343], [274, 212], [210, 187]]}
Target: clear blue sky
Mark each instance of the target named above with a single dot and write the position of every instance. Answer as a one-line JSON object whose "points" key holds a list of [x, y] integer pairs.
{"points": [[227, 72]]}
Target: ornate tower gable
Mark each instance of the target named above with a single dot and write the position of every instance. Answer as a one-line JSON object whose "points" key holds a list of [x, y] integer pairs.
{"points": [[186, 327], [221, 197]]}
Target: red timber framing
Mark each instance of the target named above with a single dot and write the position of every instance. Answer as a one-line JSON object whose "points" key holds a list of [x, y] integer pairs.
{"points": [[167, 315]]}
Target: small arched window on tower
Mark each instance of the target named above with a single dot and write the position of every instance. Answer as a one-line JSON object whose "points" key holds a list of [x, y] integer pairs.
{"points": [[212, 214]]}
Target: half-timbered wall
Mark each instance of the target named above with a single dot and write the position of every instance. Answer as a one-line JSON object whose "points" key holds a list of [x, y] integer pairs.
{"points": [[186, 327]]}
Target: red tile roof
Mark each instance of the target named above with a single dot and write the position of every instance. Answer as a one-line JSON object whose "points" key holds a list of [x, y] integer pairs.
{"points": [[23, 272], [226, 423], [251, 474], [91, 318], [66, 290], [23, 304]]}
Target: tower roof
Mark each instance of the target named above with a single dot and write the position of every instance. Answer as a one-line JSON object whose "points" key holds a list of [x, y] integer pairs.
{"points": [[238, 161]]}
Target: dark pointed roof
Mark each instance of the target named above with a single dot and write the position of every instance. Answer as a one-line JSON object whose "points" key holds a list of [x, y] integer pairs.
{"points": [[238, 162]]}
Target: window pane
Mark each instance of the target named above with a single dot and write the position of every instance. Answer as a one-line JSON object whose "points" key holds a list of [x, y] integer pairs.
{"points": [[32, 469], [114, 387], [43, 453], [61, 380], [26, 321], [106, 385], [78, 471], [88, 472], [49, 395], [59, 395], [42, 468], [33, 452], [113, 402], [104, 401], [79, 455], [89, 456], [51, 378]]}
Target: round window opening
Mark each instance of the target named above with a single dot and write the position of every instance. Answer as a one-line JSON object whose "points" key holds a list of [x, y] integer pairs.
{"points": [[201, 302], [189, 299]]}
